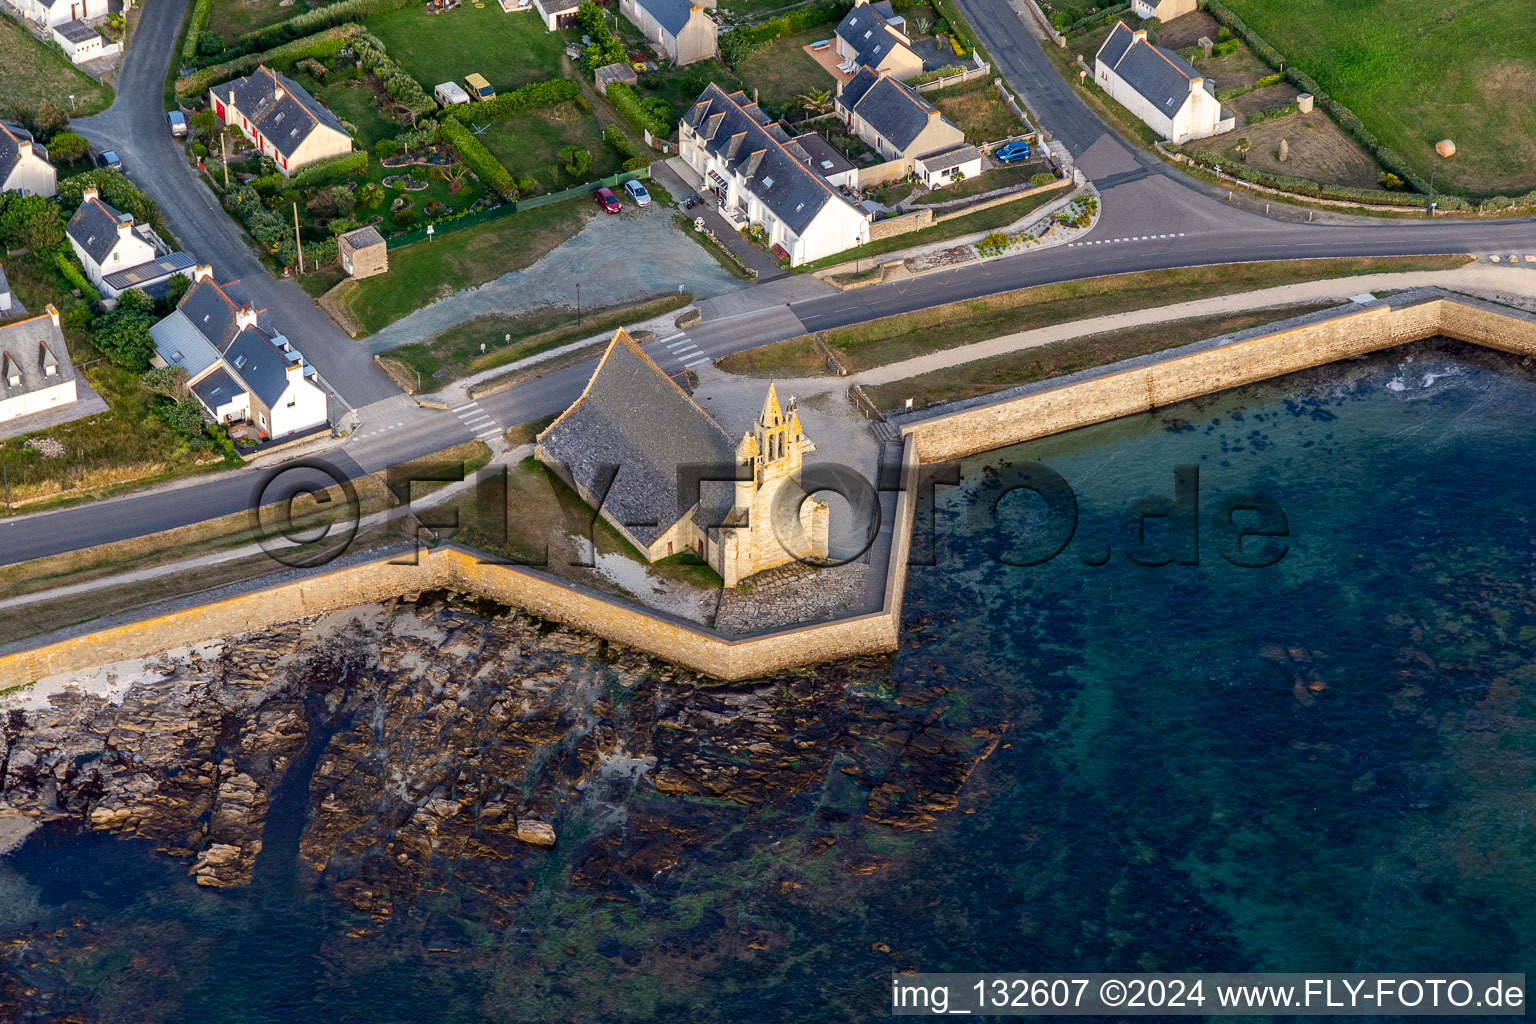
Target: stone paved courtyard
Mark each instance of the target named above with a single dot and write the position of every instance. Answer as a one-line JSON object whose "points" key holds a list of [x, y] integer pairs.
{"points": [[792, 594]]}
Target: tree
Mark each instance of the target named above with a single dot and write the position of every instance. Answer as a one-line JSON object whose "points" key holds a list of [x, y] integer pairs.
{"points": [[185, 417], [168, 381], [45, 120], [115, 190], [385, 148], [816, 101], [68, 146], [122, 335], [175, 288], [31, 222], [575, 160], [343, 199]]}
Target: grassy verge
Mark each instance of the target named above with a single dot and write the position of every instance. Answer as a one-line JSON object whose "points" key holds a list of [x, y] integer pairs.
{"points": [[987, 220], [988, 181], [31, 72], [984, 376], [422, 273], [892, 339], [527, 433], [508, 337]]}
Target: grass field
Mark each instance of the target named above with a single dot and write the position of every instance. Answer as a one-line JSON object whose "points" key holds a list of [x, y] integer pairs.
{"points": [[977, 109], [938, 328], [419, 274], [987, 181], [782, 70], [232, 19], [31, 72], [968, 380], [510, 50], [1416, 71], [1318, 149], [529, 143]]}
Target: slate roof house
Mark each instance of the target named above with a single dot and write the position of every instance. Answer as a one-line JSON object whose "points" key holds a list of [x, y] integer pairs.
{"points": [[117, 253], [283, 120], [36, 374], [680, 27], [761, 176], [239, 368], [1159, 87], [873, 34], [5, 295], [892, 119], [24, 165], [641, 451], [48, 13]]}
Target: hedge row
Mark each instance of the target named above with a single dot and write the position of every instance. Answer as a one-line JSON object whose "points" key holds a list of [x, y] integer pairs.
{"points": [[1345, 118], [402, 88], [1270, 113], [314, 20], [332, 167], [266, 226], [1305, 187], [1501, 203], [1103, 14], [195, 29], [479, 160], [322, 44], [626, 103], [740, 42], [634, 158], [73, 275], [537, 94]]}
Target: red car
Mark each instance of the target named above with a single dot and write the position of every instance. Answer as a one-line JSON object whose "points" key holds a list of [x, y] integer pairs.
{"points": [[608, 199]]}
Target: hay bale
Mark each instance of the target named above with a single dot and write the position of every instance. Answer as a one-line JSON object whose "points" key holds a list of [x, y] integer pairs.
{"points": [[1445, 147]]}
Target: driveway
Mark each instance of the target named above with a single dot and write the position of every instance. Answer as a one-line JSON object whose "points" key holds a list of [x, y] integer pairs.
{"points": [[135, 127]]}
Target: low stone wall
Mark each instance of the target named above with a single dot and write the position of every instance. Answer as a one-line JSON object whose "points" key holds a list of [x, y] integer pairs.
{"points": [[1205, 367], [904, 224], [1002, 199], [455, 568]]}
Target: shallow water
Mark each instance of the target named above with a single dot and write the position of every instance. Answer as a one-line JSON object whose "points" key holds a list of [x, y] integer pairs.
{"points": [[1323, 764]]}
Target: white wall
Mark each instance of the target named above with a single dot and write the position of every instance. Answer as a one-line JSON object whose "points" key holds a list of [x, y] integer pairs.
{"points": [[308, 408], [34, 176], [130, 251], [38, 401]]}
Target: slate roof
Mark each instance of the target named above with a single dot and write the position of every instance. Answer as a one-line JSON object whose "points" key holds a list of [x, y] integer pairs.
{"points": [[777, 171], [671, 15], [146, 275], [867, 29], [217, 389], [11, 138], [27, 347], [889, 107], [94, 226], [257, 360], [1161, 76], [182, 345], [632, 416], [362, 238], [211, 312], [284, 122], [954, 156], [821, 154], [76, 31], [5, 285]]}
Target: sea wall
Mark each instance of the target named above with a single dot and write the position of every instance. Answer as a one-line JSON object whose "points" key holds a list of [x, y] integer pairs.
{"points": [[1205, 367]]}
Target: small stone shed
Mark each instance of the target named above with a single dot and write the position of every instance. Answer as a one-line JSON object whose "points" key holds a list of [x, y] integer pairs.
{"points": [[610, 74], [363, 252]]}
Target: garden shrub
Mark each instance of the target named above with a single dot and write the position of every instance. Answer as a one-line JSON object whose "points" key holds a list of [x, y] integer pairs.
{"points": [[529, 97], [75, 276], [322, 44], [479, 160], [739, 43], [194, 30], [605, 48], [640, 114], [320, 171]]}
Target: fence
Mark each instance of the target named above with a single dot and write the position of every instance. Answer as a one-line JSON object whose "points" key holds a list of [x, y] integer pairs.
{"points": [[968, 75], [470, 220]]}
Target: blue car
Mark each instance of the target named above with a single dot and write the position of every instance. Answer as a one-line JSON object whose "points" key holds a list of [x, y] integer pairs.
{"points": [[1012, 152]]}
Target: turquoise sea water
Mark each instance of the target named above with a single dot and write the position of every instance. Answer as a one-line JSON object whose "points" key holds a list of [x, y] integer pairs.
{"points": [[1325, 764]]}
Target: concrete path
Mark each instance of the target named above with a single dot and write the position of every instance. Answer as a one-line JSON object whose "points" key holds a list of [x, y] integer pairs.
{"points": [[682, 182]]}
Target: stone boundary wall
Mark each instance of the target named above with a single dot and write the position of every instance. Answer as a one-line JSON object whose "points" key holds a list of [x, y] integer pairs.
{"points": [[1004, 198], [456, 568], [1205, 367], [967, 75]]}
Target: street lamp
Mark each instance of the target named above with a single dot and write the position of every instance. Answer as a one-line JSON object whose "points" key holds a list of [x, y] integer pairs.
{"points": [[855, 255], [578, 303], [1431, 192], [6, 470]]}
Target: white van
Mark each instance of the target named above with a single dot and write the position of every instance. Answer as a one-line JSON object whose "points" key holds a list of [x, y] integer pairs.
{"points": [[450, 94]]}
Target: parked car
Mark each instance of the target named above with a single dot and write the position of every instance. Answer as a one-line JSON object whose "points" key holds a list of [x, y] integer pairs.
{"points": [[479, 88], [178, 122], [109, 160], [449, 94], [609, 201], [1012, 152], [638, 193]]}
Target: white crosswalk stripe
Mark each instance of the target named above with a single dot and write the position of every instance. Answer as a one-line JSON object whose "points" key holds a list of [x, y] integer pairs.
{"points": [[486, 435], [679, 343], [696, 362], [478, 421]]}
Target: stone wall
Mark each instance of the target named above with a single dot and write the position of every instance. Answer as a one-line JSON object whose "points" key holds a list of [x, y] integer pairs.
{"points": [[1138, 385], [904, 224]]}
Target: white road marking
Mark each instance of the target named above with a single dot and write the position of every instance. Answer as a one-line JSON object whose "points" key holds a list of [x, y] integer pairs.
{"points": [[696, 362], [489, 433]]}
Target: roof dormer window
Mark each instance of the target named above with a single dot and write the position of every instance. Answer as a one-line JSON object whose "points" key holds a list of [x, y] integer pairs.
{"points": [[177, 356], [239, 361], [868, 32]]}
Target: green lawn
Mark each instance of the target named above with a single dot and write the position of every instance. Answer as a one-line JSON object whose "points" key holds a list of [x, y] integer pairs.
{"points": [[988, 181], [232, 19], [530, 143], [977, 109], [510, 50], [353, 100], [1417, 71], [419, 274], [782, 70], [31, 72], [681, 86]]}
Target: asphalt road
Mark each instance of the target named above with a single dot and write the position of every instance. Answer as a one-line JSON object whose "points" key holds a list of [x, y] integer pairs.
{"points": [[1152, 219], [135, 127]]}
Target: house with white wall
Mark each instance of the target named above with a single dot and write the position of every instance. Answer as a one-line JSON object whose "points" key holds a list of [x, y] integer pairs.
{"points": [[281, 119], [24, 165], [1163, 10], [874, 34], [240, 370], [682, 28], [894, 120], [48, 13], [36, 374], [763, 178], [80, 42], [107, 240], [1158, 87]]}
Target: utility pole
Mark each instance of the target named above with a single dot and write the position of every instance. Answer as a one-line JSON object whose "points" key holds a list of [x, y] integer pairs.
{"points": [[6, 469], [224, 151], [298, 244], [578, 303]]}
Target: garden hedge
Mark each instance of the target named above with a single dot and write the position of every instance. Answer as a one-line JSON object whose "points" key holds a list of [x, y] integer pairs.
{"points": [[536, 94], [739, 43], [402, 88], [479, 160], [195, 29], [314, 20], [1305, 187], [322, 44], [75, 277], [333, 167], [626, 103]]}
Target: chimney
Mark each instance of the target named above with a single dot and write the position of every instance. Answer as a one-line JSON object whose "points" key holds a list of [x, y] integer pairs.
{"points": [[1140, 35], [245, 317], [53, 313], [89, 194], [24, 146], [125, 227], [202, 273], [1196, 84]]}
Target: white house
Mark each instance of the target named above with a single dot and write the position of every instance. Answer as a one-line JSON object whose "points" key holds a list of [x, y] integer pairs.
{"points": [[239, 370], [892, 119], [1158, 87], [24, 165], [1163, 10], [281, 118], [948, 165], [6, 302], [874, 35], [48, 13], [81, 43], [106, 240], [557, 14], [761, 177], [681, 28], [36, 374]]}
